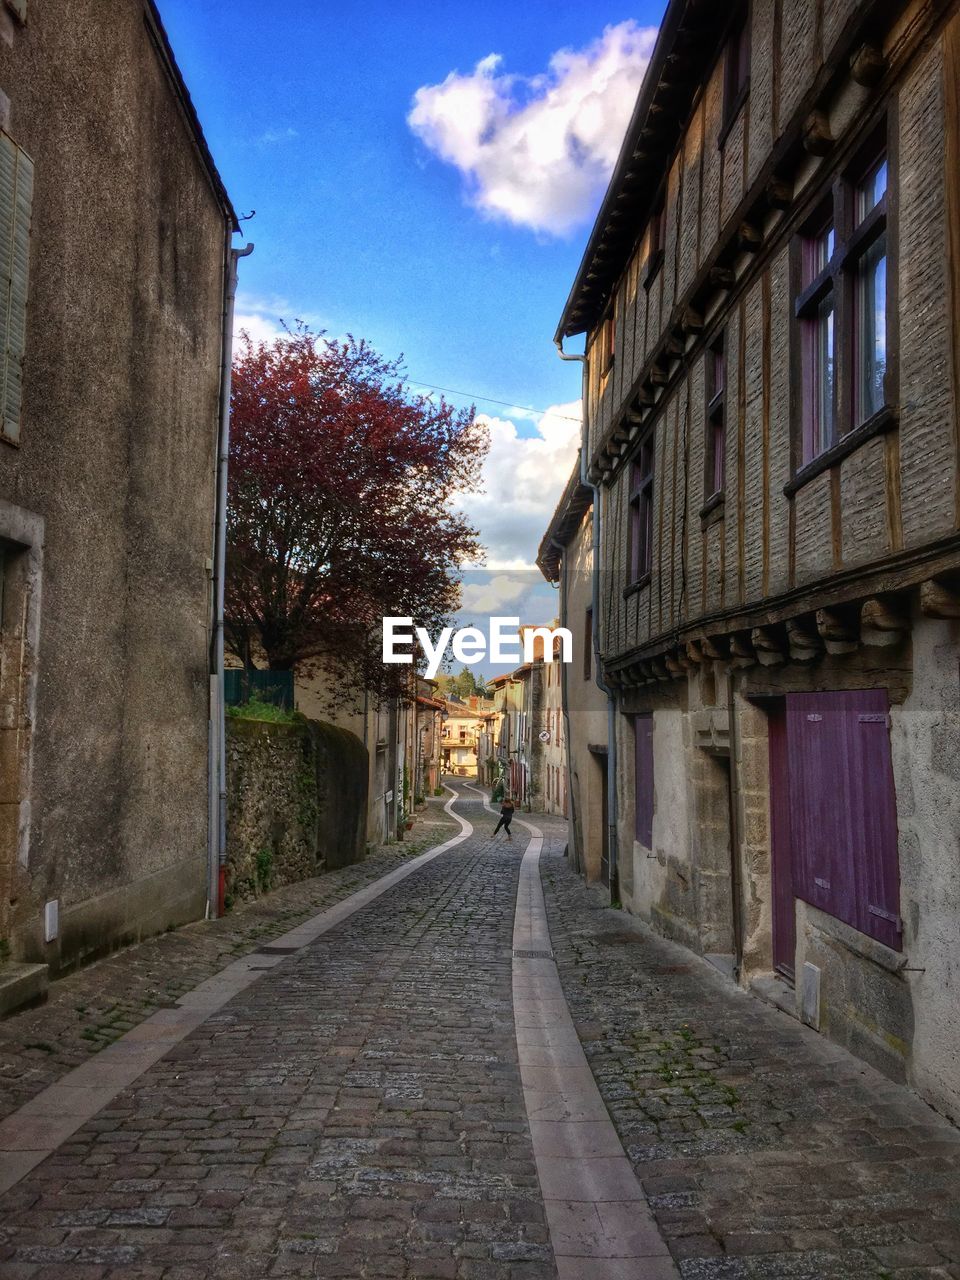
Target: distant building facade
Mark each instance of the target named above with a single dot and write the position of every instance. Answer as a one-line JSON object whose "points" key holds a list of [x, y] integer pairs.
{"points": [[115, 238], [566, 557], [770, 303]]}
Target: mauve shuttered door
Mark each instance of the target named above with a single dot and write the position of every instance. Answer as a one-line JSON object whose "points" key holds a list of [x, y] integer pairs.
{"points": [[643, 727], [878, 863], [843, 818]]}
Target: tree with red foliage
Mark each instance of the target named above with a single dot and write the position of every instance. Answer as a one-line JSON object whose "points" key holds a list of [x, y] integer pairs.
{"points": [[340, 506]]}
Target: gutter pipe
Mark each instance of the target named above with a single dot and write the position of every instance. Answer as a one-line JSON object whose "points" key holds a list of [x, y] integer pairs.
{"points": [[612, 817], [217, 800]]}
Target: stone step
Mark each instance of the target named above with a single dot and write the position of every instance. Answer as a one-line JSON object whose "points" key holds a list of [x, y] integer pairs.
{"points": [[21, 985]]}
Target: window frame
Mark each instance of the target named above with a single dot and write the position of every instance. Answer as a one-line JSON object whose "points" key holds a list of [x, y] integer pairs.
{"points": [[640, 499], [608, 338], [737, 62], [588, 642], [853, 239], [657, 230], [715, 420]]}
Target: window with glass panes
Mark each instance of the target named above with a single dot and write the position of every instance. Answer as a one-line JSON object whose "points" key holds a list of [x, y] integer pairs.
{"points": [[641, 511], [840, 306], [715, 445]]}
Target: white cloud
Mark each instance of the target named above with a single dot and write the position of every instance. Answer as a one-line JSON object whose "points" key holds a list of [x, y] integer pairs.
{"points": [[523, 479], [271, 137], [538, 150], [259, 327], [494, 592]]}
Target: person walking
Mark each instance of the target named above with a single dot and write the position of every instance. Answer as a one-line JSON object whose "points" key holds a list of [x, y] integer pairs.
{"points": [[506, 817]]}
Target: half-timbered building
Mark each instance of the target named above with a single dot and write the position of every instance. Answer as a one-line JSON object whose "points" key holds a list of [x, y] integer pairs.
{"points": [[771, 303]]}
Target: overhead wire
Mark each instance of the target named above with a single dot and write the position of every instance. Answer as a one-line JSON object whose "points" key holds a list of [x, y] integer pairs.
{"points": [[506, 404]]}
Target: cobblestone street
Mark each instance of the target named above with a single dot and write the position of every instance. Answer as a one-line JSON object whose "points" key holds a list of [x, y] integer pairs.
{"points": [[765, 1151], [358, 1111]]}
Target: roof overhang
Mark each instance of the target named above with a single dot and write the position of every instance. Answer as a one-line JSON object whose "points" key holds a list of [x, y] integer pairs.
{"points": [[686, 46], [165, 51], [575, 502]]}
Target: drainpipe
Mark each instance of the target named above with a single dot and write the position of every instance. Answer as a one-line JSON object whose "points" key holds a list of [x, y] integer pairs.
{"points": [[597, 664], [564, 707], [217, 842]]}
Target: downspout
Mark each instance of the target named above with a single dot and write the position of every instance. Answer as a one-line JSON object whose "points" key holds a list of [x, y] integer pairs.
{"points": [[217, 843], [612, 822], [577, 858]]}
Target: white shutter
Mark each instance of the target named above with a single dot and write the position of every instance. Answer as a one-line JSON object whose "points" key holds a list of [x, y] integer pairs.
{"points": [[16, 200]]}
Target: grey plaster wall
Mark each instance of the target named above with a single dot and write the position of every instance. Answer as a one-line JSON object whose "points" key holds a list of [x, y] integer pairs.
{"points": [[116, 455]]}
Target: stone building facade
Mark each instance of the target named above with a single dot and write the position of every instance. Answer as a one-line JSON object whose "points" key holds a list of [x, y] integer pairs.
{"points": [[771, 303], [116, 241], [566, 557]]}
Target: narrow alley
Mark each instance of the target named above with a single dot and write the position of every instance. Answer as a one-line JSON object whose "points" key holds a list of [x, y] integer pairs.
{"points": [[345, 1100]]}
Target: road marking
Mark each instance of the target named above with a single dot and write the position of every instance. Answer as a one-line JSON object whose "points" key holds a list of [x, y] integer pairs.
{"points": [[601, 1227], [34, 1131]]}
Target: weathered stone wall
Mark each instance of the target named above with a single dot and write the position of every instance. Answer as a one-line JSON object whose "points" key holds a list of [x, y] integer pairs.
{"points": [[296, 802], [116, 458]]}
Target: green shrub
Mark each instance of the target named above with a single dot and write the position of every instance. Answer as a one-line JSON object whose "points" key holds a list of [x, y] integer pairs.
{"points": [[264, 863], [257, 710]]}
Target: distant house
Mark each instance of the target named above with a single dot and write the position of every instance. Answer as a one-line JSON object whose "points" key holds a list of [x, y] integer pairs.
{"points": [[459, 740], [115, 259]]}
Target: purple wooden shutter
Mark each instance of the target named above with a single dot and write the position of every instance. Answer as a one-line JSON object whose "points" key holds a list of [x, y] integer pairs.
{"points": [[877, 859], [843, 819], [643, 730]]}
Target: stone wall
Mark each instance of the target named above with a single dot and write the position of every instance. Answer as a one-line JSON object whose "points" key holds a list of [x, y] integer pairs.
{"points": [[107, 688], [296, 802]]}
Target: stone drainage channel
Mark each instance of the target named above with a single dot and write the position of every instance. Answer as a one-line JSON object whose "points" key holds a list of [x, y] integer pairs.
{"points": [[601, 1227]]}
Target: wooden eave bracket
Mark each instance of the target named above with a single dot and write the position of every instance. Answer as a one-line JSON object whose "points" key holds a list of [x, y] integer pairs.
{"points": [[939, 599], [868, 65], [884, 620], [817, 138]]}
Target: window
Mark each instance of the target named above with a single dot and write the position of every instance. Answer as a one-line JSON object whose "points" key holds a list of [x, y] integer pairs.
{"points": [[16, 199], [657, 236], [841, 308], [641, 511], [736, 71], [715, 450], [817, 341], [643, 779], [870, 292], [608, 339], [587, 643]]}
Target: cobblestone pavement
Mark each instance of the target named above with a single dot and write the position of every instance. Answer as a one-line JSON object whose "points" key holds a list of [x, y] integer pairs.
{"points": [[93, 1007], [765, 1151], [357, 1112]]}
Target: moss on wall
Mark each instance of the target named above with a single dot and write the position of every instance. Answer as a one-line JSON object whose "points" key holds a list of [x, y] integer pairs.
{"points": [[296, 802]]}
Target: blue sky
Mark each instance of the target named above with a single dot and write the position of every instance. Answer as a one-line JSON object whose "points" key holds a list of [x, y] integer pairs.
{"points": [[451, 234]]}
